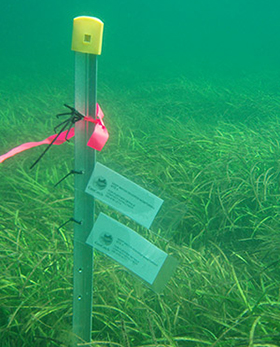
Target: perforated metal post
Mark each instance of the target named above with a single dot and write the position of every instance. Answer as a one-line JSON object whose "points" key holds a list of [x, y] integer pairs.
{"points": [[86, 41]]}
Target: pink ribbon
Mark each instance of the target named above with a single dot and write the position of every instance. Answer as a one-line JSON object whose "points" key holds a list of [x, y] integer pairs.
{"points": [[97, 140]]}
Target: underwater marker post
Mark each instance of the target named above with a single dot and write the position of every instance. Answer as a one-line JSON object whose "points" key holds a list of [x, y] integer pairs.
{"points": [[87, 43]]}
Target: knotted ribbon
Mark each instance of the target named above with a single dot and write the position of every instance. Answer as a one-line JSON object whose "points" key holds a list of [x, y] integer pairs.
{"points": [[97, 140]]}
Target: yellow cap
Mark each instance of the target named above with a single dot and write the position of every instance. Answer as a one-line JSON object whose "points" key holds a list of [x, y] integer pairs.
{"points": [[87, 35]]}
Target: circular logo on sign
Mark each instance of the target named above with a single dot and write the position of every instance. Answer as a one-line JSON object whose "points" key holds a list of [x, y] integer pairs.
{"points": [[100, 183], [106, 238]]}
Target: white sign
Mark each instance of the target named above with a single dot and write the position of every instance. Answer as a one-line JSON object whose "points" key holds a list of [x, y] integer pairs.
{"points": [[126, 247], [123, 195]]}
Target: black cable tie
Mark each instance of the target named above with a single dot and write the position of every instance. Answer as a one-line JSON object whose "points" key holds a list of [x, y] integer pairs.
{"points": [[69, 220], [69, 173], [75, 116], [48, 147]]}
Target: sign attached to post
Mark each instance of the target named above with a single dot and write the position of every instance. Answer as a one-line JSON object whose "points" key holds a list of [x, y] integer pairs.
{"points": [[123, 195], [127, 247]]}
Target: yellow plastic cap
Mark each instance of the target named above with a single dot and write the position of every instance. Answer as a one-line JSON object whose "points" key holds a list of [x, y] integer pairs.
{"points": [[87, 35]]}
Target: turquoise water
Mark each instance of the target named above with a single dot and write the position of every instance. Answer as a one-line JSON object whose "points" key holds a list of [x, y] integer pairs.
{"points": [[159, 37]]}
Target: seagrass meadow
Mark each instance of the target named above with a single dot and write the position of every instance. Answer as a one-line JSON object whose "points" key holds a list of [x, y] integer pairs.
{"points": [[210, 143]]}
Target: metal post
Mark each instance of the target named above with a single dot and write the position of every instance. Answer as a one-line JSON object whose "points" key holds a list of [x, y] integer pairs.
{"points": [[85, 103]]}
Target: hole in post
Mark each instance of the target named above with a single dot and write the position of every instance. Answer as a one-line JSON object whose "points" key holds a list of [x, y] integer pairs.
{"points": [[87, 38]]}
